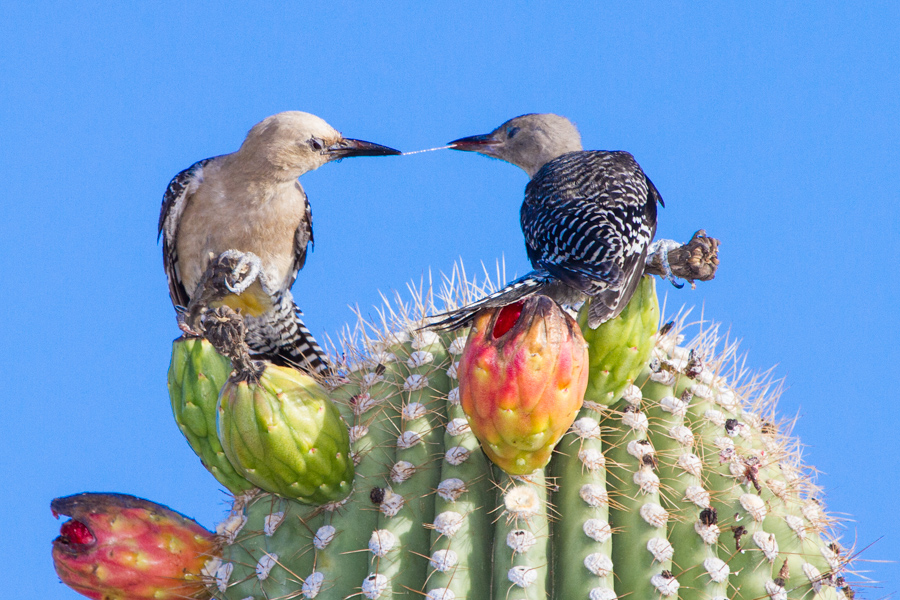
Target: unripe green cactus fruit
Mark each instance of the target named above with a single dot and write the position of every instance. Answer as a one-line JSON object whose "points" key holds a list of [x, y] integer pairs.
{"points": [[196, 375], [619, 348], [282, 433]]}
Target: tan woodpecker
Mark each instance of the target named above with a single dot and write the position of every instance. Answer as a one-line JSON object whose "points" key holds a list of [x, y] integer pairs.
{"points": [[250, 201]]}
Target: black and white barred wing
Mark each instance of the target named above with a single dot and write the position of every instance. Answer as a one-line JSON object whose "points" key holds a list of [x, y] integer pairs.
{"points": [[588, 220]]}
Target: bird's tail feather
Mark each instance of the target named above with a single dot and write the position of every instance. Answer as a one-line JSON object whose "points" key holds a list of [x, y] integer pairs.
{"points": [[529, 284], [281, 337]]}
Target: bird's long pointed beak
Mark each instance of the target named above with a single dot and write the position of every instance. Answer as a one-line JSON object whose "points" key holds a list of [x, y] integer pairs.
{"points": [[349, 147], [474, 143]]}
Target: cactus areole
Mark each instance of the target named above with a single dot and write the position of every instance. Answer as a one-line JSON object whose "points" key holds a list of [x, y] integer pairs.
{"points": [[118, 547], [522, 378]]}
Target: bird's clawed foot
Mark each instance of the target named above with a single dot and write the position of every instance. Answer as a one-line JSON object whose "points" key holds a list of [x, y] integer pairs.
{"points": [[661, 249], [245, 269], [696, 260], [183, 318]]}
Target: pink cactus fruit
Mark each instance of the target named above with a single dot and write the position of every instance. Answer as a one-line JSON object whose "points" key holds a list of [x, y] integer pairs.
{"points": [[118, 547], [522, 378]]}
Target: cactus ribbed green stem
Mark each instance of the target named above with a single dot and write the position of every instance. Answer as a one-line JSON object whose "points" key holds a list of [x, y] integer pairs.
{"points": [[643, 498]]}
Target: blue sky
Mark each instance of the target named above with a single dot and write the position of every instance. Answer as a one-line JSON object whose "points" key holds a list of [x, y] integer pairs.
{"points": [[777, 129]]}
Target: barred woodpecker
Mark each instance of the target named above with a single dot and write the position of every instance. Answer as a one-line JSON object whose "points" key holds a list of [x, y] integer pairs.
{"points": [[250, 202], [588, 217]]}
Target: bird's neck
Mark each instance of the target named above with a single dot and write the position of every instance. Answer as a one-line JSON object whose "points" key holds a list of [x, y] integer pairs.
{"points": [[547, 153], [259, 169]]}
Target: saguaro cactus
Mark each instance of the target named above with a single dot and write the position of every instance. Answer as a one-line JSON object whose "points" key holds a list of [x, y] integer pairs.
{"points": [[675, 480]]}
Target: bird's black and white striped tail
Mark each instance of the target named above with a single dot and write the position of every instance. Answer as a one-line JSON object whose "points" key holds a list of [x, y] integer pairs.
{"points": [[281, 337], [534, 282]]}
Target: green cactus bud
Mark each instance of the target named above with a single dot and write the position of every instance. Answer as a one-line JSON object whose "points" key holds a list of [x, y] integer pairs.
{"points": [[620, 348], [282, 433], [196, 374]]}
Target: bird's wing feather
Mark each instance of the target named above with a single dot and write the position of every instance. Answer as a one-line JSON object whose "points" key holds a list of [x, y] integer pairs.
{"points": [[174, 202], [577, 211], [303, 238]]}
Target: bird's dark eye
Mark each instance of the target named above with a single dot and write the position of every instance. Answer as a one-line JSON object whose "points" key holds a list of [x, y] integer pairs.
{"points": [[316, 144], [512, 131]]}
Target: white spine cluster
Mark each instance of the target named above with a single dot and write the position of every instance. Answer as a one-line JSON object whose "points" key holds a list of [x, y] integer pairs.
{"points": [[415, 382], [382, 542], [654, 514], [458, 426], [646, 480], [424, 339], [312, 584], [440, 594], [520, 540], [599, 593], [408, 439], [522, 502], [264, 565], [448, 523], [665, 585], [272, 522], [456, 455], [323, 537], [599, 564], [661, 549], [357, 432], [457, 346], [522, 576], [419, 358], [223, 575], [697, 495], [444, 560], [374, 585], [636, 421], [594, 495], [632, 395], [402, 470], [391, 504], [586, 428], [691, 464], [767, 543], [413, 410], [754, 505], [228, 529], [717, 569], [592, 459], [597, 529], [451, 489]]}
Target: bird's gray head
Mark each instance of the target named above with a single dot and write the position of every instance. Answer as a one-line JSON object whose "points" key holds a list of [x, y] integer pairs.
{"points": [[529, 141], [292, 143]]}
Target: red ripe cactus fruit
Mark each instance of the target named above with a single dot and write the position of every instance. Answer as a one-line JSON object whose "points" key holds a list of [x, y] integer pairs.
{"points": [[118, 547], [522, 378]]}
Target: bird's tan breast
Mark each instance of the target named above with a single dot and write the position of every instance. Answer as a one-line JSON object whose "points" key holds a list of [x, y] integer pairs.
{"points": [[250, 217]]}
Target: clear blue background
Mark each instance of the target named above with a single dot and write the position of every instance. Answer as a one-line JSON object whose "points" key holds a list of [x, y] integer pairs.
{"points": [[777, 129]]}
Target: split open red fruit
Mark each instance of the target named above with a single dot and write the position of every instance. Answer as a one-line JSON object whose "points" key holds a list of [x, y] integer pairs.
{"points": [[522, 378], [119, 547]]}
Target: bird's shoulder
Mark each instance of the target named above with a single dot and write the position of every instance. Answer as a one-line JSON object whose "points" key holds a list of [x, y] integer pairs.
{"points": [[595, 176], [179, 188]]}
